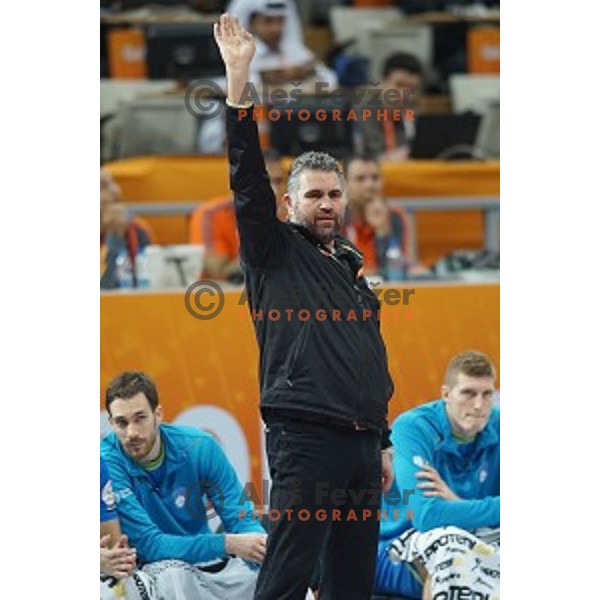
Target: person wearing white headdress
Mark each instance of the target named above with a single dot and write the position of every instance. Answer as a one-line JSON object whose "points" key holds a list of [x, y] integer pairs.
{"points": [[281, 55], [243, 10]]}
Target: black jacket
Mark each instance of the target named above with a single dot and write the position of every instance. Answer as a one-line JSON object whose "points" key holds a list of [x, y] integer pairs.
{"points": [[310, 364]]}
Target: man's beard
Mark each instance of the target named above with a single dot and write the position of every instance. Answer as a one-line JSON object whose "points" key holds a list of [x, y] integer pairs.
{"points": [[316, 222], [323, 234]]}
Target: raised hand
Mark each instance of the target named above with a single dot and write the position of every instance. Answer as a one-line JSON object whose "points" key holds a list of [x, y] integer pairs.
{"points": [[236, 45]]}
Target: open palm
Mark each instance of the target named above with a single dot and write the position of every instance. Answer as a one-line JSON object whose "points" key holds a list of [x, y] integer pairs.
{"points": [[236, 45]]}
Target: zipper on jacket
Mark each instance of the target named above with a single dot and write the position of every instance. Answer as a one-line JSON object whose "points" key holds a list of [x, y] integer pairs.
{"points": [[294, 361], [363, 370]]}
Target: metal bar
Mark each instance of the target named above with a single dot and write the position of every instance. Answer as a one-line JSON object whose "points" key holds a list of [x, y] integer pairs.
{"points": [[414, 235], [160, 209], [490, 205], [492, 229], [450, 203]]}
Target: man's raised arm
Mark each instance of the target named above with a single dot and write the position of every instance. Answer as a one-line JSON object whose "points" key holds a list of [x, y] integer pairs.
{"points": [[255, 202]]}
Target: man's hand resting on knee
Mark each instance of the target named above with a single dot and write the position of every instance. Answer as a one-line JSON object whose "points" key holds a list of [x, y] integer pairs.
{"points": [[249, 546]]}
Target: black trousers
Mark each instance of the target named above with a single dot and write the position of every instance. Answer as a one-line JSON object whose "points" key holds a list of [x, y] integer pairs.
{"points": [[323, 515]]}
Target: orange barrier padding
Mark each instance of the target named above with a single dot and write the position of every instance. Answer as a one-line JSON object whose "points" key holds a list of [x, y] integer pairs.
{"points": [[163, 179], [127, 54], [483, 50], [440, 233], [159, 179], [213, 364]]}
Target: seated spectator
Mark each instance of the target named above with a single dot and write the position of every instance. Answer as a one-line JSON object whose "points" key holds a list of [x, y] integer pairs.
{"points": [[281, 55], [390, 139], [446, 465], [122, 237], [117, 559], [162, 476], [371, 224], [213, 225], [110, 192]]}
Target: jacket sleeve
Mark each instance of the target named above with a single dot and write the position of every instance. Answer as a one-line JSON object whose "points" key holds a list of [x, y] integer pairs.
{"points": [[150, 542], [386, 441], [431, 512], [261, 235], [226, 493]]}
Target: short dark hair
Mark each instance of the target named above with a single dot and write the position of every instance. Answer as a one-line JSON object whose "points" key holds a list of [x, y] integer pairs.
{"points": [[402, 61], [365, 157], [127, 385]]}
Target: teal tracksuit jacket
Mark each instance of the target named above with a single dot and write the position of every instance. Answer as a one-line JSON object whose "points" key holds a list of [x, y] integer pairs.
{"points": [[424, 435], [472, 471], [164, 516]]}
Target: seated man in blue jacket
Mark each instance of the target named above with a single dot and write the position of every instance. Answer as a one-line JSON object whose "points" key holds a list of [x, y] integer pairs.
{"points": [[161, 475], [447, 466]]}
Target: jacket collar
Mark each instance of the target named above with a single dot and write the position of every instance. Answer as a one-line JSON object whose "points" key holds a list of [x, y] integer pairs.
{"points": [[342, 247], [173, 454], [487, 437], [309, 236]]}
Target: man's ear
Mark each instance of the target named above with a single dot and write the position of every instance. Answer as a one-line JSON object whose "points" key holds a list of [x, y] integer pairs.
{"points": [[445, 392], [158, 414], [287, 199]]}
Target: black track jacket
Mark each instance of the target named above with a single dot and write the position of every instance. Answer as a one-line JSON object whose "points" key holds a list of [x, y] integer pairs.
{"points": [[317, 321]]}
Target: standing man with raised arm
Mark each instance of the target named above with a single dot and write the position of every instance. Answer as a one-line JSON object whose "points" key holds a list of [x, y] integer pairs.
{"points": [[324, 380]]}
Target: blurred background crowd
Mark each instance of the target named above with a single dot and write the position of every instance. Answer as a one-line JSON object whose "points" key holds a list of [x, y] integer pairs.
{"points": [[422, 188]]}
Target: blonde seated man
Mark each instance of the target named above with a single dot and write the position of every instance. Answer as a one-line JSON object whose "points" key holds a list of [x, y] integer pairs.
{"points": [[446, 490]]}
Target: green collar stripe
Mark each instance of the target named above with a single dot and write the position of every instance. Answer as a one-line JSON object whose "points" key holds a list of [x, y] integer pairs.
{"points": [[157, 462]]}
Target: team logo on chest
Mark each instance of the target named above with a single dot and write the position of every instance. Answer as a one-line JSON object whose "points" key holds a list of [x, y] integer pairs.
{"points": [[179, 497], [483, 473]]}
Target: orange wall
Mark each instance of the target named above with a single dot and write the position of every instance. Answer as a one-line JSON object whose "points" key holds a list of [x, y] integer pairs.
{"points": [[161, 179], [215, 362]]}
